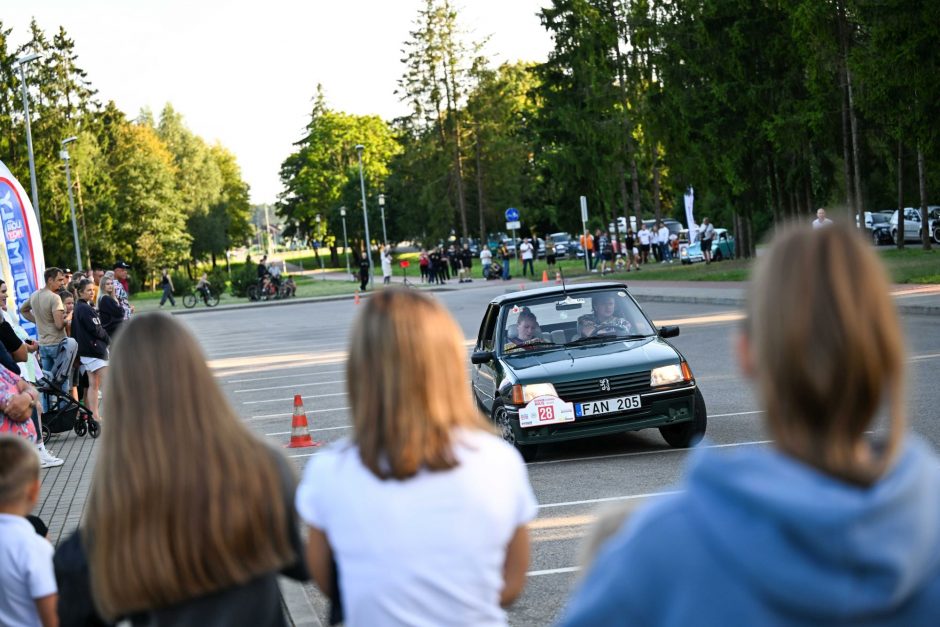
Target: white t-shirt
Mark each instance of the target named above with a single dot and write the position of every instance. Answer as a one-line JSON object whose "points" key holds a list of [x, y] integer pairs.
{"points": [[526, 249], [429, 550], [644, 236], [486, 256], [386, 264], [818, 224], [26, 572], [663, 235]]}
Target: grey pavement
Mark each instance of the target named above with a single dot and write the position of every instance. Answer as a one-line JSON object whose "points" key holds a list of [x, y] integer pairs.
{"points": [[299, 348]]}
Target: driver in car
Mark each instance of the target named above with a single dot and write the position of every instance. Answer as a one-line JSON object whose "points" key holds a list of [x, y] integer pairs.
{"points": [[605, 320], [527, 327]]}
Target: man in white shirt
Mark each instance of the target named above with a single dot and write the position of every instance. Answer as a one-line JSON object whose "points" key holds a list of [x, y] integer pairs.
{"points": [[645, 237], [821, 219], [707, 234], [525, 249], [486, 258], [663, 241]]}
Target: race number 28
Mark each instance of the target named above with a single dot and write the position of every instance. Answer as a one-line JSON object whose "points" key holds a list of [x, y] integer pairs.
{"points": [[547, 413]]}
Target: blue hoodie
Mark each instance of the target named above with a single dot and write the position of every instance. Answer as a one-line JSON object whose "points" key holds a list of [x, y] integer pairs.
{"points": [[758, 538]]}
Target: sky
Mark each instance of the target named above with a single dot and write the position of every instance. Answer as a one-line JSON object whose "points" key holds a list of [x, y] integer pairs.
{"points": [[245, 73]]}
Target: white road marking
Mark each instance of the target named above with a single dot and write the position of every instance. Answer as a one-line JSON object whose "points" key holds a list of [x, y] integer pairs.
{"points": [[638, 453], [320, 429], [302, 455], [283, 376], [553, 571], [291, 398], [311, 411], [608, 499], [737, 413], [287, 387], [273, 348]]}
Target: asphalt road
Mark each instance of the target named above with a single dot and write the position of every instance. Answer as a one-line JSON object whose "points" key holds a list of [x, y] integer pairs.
{"points": [[263, 356]]}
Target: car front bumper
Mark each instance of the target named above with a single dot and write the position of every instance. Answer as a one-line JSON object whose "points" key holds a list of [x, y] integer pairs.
{"points": [[658, 409]]}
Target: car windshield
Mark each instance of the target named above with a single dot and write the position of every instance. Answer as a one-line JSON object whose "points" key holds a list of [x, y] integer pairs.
{"points": [[549, 323]]}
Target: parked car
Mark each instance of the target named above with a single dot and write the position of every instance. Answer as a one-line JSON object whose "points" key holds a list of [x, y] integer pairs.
{"points": [[722, 248], [554, 379], [912, 224], [563, 244], [878, 224]]}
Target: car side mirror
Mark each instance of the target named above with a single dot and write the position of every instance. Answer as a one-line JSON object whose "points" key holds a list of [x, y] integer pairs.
{"points": [[481, 357], [668, 331]]}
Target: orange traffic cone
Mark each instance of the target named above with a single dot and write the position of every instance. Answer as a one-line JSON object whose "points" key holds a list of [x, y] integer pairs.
{"points": [[544, 276], [356, 300], [521, 287], [299, 436]]}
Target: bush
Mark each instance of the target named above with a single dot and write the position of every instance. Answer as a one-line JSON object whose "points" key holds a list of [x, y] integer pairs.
{"points": [[182, 284], [218, 278], [243, 276]]}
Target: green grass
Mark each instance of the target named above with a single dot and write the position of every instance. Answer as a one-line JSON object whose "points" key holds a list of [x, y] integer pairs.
{"points": [[913, 265]]}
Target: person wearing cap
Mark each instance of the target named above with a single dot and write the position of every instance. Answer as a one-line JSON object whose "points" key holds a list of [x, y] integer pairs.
{"points": [[121, 288]]}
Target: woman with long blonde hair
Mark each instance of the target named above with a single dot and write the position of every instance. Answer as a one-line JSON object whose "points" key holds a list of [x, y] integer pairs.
{"points": [[189, 517], [422, 508], [835, 523]]}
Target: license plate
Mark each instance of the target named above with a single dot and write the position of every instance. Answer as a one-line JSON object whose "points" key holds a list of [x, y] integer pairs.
{"points": [[607, 406]]}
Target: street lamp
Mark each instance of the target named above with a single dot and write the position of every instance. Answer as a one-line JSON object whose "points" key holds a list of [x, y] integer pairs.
{"points": [[382, 207], [365, 214], [342, 213], [64, 155], [21, 64], [318, 248]]}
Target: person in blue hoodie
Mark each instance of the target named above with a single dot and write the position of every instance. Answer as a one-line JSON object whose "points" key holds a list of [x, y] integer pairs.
{"points": [[838, 521]]}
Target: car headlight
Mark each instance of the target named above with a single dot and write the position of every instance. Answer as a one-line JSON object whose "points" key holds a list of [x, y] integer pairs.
{"points": [[667, 375], [522, 394]]}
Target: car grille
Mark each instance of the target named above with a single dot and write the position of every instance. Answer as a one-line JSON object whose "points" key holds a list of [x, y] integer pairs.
{"points": [[588, 389]]}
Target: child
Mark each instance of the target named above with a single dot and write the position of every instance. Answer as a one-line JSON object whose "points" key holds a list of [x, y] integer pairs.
{"points": [[28, 594]]}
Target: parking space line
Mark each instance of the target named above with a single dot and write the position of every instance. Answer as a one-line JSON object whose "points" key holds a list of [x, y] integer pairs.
{"points": [[290, 398], [639, 453], [609, 499], [320, 429], [553, 571], [286, 387], [281, 376]]}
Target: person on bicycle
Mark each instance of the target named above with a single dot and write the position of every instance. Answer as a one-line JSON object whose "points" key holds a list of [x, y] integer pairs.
{"points": [[202, 286]]}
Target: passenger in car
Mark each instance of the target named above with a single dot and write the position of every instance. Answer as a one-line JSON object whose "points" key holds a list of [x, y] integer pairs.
{"points": [[527, 331]]}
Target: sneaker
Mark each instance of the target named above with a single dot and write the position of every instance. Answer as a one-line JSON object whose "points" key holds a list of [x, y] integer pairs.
{"points": [[49, 461]]}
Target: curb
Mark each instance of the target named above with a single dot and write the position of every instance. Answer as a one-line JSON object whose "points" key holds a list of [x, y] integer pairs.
{"points": [[914, 310]]}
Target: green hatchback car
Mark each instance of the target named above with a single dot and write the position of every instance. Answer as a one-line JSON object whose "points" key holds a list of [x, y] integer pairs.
{"points": [[563, 363]]}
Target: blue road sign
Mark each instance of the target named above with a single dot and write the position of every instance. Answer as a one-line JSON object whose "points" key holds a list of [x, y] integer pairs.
{"points": [[512, 215]]}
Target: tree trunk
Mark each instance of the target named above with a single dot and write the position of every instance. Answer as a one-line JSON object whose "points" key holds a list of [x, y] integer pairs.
{"points": [[212, 255], [856, 159], [846, 151], [481, 196], [657, 203], [924, 216], [900, 237], [634, 174]]}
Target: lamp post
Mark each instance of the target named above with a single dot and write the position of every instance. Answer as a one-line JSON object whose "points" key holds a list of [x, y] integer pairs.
{"points": [[342, 213], [21, 64], [64, 155], [365, 214], [382, 207], [319, 247]]}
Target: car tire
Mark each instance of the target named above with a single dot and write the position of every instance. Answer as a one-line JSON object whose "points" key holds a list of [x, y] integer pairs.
{"points": [[875, 239], [718, 255], [936, 235], [686, 434], [501, 420], [894, 237]]}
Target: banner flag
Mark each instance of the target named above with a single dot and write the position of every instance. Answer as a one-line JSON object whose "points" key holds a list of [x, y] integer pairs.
{"points": [[689, 218], [21, 256]]}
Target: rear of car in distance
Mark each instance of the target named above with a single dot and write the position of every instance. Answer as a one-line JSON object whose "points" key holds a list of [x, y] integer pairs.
{"points": [[722, 248], [563, 244], [564, 363]]}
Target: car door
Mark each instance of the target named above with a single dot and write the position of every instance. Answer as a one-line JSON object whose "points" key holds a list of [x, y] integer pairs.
{"points": [[485, 376], [911, 225]]}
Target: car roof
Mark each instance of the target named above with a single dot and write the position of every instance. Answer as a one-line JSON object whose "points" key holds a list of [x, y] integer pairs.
{"points": [[558, 290]]}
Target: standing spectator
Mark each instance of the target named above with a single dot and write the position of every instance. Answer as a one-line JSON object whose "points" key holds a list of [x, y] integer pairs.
{"points": [[645, 238], [526, 251], [121, 289], [587, 245], [423, 263], [602, 244], [213, 553], [830, 523], [45, 309], [96, 275], [453, 262], [466, 264], [364, 269], [550, 253], [443, 265], [422, 460], [708, 232], [486, 258], [505, 256], [433, 263], [166, 284], [821, 219], [93, 343], [386, 266], [662, 238], [110, 311], [29, 369], [68, 301], [629, 250], [28, 593]]}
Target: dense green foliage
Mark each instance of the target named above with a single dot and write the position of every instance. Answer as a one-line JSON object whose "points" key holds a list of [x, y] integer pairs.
{"points": [[769, 109], [148, 192]]}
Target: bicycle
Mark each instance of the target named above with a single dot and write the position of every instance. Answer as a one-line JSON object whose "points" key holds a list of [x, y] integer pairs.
{"points": [[269, 291], [210, 299]]}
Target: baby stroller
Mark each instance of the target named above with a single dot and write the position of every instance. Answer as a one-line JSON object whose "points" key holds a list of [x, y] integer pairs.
{"points": [[64, 412]]}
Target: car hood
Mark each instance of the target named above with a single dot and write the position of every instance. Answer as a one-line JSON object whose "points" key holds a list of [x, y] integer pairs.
{"points": [[581, 362]]}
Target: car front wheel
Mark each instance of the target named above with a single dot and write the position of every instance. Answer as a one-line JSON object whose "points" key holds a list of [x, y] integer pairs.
{"points": [[504, 423], [686, 434]]}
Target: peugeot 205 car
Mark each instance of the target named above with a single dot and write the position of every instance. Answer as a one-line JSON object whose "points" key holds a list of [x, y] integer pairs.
{"points": [[563, 363]]}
